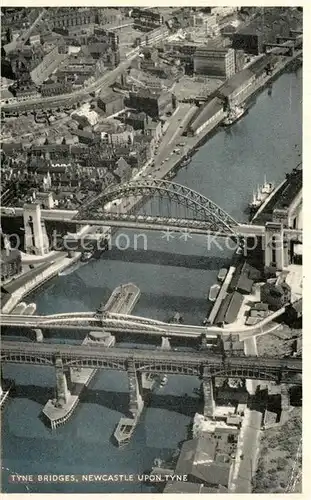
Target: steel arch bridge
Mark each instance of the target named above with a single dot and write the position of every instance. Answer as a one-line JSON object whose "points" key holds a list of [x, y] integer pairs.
{"points": [[156, 202]]}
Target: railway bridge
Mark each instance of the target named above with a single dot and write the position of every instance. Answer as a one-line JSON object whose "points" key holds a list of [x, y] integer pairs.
{"points": [[135, 362]]}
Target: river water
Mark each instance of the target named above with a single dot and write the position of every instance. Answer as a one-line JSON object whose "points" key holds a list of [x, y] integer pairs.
{"points": [[173, 275]]}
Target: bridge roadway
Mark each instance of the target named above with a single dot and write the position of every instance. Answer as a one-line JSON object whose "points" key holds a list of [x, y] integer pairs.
{"points": [[115, 322], [156, 361], [142, 222]]}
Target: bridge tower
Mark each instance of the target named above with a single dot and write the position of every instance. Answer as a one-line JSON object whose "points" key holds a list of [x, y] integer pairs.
{"points": [[36, 239], [275, 246], [62, 391], [208, 394], [136, 403]]}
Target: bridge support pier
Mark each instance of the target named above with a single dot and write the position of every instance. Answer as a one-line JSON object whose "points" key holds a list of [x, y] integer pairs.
{"points": [[136, 402], [62, 391], [285, 403], [208, 395], [37, 334], [165, 344]]}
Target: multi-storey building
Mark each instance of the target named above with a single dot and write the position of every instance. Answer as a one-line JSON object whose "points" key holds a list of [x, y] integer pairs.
{"points": [[146, 19], [219, 62], [154, 104], [111, 103], [71, 16], [11, 264]]}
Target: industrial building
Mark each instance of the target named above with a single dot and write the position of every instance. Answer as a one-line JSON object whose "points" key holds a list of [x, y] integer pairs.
{"points": [[206, 115], [219, 62], [154, 104]]}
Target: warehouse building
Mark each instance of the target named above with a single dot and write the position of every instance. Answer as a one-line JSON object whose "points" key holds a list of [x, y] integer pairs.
{"points": [[219, 62]]}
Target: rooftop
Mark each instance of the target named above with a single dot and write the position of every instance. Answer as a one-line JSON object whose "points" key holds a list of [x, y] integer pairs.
{"points": [[283, 197], [205, 112], [229, 308], [235, 82]]}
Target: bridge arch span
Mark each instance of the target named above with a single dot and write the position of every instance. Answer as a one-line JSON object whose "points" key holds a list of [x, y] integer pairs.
{"points": [[245, 372], [170, 198], [13, 357], [171, 369], [77, 363]]}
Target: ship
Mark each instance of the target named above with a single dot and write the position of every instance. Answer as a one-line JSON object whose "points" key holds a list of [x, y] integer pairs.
{"points": [[214, 290], [261, 195], [234, 114]]}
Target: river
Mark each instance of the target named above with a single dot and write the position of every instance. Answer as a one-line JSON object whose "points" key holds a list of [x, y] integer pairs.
{"points": [[173, 275]]}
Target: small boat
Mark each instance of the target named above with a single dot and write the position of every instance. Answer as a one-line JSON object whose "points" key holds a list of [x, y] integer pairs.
{"points": [[163, 381], [234, 115], [86, 256], [222, 274], [177, 318], [214, 290]]}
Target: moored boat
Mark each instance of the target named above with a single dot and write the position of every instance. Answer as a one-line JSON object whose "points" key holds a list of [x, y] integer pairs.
{"points": [[222, 274], [263, 193], [124, 430], [214, 290], [234, 114]]}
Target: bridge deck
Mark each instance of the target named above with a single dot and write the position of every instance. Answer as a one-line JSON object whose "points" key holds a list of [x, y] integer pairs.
{"points": [[149, 360]]}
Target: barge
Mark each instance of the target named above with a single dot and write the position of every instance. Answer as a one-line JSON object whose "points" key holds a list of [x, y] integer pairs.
{"points": [[214, 291], [124, 430], [222, 274]]}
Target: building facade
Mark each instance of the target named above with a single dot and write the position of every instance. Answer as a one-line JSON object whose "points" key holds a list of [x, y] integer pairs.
{"points": [[153, 104], [111, 103], [11, 264], [214, 62]]}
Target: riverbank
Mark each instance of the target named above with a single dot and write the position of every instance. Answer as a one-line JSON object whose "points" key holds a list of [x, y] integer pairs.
{"points": [[193, 143], [18, 288]]}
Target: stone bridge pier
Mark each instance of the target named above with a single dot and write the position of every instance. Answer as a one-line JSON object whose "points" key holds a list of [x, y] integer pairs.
{"points": [[62, 391], [208, 394], [165, 344], [136, 402], [36, 334]]}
